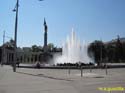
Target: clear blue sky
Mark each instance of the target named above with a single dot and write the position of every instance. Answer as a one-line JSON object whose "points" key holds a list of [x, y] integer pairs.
{"points": [[91, 20]]}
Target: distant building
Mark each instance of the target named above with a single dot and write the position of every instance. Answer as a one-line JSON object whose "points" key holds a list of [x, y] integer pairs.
{"points": [[26, 55]]}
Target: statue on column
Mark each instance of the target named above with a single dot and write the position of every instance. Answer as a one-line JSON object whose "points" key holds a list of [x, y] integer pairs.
{"points": [[45, 55], [45, 35]]}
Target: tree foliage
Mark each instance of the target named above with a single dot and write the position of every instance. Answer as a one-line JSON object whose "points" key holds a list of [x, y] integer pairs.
{"points": [[97, 48], [36, 48], [107, 52]]}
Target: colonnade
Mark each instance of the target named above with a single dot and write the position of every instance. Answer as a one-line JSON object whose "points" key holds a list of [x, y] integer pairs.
{"points": [[22, 57], [29, 58]]}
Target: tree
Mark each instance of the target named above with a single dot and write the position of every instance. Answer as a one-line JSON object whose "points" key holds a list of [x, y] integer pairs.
{"points": [[9, 45], [119, 50], [110, 52], [35, 48], [50, 46], [97, 48]]}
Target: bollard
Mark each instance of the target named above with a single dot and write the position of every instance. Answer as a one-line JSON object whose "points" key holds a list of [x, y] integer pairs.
{"points": [[90, 69], [81, 71], [69, 70], [106, 71]]}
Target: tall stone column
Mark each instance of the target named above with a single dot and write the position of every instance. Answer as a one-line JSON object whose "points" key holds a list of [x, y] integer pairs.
{"points": [[45, 35]]}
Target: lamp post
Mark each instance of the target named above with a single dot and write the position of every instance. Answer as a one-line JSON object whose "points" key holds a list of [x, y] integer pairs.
{"points": [[15, 35], [101, 52]]}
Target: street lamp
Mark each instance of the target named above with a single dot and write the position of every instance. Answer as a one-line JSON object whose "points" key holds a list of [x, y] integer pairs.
{"points": [[15, 35]]}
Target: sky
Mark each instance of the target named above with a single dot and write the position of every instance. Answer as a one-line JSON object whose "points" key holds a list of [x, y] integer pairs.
{"points": [[91, 20]]}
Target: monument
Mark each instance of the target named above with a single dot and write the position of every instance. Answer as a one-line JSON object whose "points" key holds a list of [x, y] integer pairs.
{"points": [[45, 36], [45, 55]]}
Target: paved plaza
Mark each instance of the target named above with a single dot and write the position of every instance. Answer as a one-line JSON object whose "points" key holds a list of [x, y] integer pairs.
{"points": [[59, 80]]}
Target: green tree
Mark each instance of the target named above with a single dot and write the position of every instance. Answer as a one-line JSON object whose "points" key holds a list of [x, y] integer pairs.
{"points": [[97, 49], [50, 46], [119, 50], [123, 46], [9, 44], [110, 52], [35, 48]]}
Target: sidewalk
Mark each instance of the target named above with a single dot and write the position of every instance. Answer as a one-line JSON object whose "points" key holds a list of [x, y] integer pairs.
{"points": [[57, 81], [11, 82]]}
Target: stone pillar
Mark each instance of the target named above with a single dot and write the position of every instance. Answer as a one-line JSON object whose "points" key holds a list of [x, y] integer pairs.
{"points": [[30, 58], [23, 58]]}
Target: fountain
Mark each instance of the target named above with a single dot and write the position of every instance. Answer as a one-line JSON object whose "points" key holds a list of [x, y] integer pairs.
{"points": [[73, 51]]}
